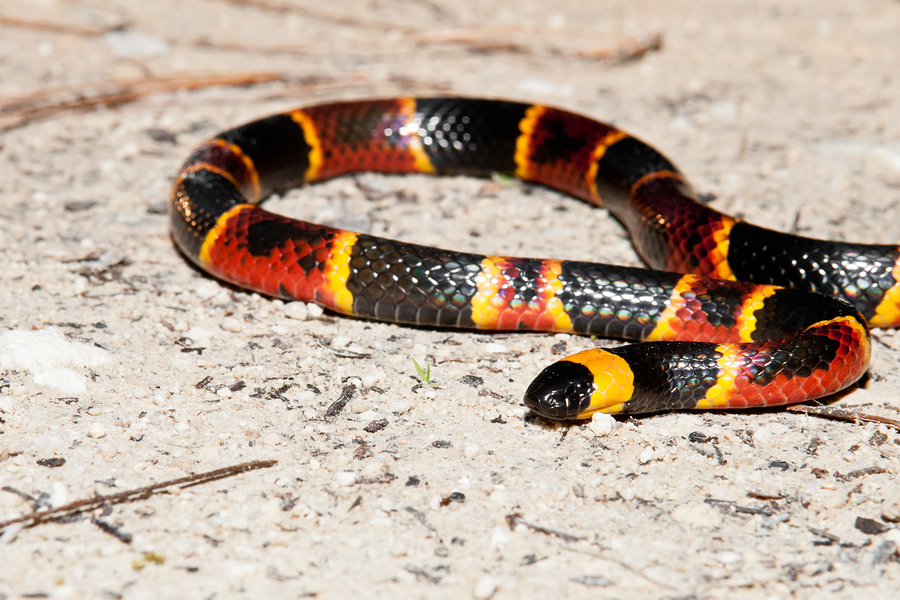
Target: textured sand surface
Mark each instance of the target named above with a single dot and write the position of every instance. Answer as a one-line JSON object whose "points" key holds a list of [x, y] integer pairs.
{"points": [[787, 112]]}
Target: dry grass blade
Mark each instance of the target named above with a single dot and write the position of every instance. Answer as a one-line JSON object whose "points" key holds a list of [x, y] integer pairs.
{"points": [[321, 15], [38, 517], [20, 110], [841, 414], [52, 27], [627, 51], [481, 40]]}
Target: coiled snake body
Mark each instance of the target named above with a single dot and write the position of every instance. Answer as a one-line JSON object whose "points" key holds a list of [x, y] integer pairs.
{"points": [[710, 339]]}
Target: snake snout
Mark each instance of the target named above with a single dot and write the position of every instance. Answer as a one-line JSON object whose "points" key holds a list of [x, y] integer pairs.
{"points": [[561, 391]]}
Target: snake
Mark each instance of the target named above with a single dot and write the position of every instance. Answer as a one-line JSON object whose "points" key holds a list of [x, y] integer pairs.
{"points": [[729, 315]]}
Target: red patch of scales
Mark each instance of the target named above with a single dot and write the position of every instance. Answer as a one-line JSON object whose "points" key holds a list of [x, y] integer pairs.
{"points": [[790, 384], [380, 136], [500, 304], [560, 150], [277, 273]]}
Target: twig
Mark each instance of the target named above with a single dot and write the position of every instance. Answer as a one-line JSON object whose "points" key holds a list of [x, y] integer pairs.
{"points": [[474, 40], [515, 519], [338, 405], [322, 15], [628, 51], [38, 517], [54, 27], [342, 352], [19, 110], [873, 470], [843, 415]]}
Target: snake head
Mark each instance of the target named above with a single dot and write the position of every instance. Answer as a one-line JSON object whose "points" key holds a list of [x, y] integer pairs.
{"points": [[562, 391], [576, 387]]}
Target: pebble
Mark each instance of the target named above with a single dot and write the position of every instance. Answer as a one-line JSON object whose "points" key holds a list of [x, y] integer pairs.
{"points": [[602, 424], [646, 456], [314, 311], [231, 324], [485, 587], [340, 341], [296, 310], [345, 478], [890, 510], [59, 495], [96, 431]]}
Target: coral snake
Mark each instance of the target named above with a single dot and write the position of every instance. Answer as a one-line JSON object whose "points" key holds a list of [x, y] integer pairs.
{"points": [[708, 340]]}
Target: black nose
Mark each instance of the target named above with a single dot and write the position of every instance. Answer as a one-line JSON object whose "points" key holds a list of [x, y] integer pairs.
{"points": [[561, 391]]}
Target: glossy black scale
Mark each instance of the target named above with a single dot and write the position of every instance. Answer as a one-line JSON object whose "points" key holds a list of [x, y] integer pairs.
{"points": [[474, 137], [833, 268]]}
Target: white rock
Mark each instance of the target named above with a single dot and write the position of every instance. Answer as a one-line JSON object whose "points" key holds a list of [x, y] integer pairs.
{"points": [[485, 588], [59, 495], [602, 424], [345, 478], [231, 324], [50, 357], [296, 310], [199, 335], [500, 536], [646, 456], [96, 431], [890, 509]]}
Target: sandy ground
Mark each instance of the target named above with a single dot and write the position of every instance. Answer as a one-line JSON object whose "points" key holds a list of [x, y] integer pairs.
{"points": [[785, 111]]}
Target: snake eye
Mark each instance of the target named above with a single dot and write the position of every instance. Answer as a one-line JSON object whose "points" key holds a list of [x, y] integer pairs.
{"points": [[561, 391]]}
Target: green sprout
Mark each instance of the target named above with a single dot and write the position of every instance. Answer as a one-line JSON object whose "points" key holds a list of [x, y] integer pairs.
{"points": [[504, 179], [424, 375]]}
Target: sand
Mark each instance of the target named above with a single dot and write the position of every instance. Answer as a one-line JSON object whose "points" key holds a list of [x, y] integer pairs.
{"points": [[786, 112]]}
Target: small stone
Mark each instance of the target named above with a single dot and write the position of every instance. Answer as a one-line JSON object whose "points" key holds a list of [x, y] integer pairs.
{"points": [[59, 495], [870, 526], [485, 588], [296, 310], [890, 510], [108, 450], [96, 431], [345, 478], [646, 456], [314, 310], [231, 324], [602, 424]]}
